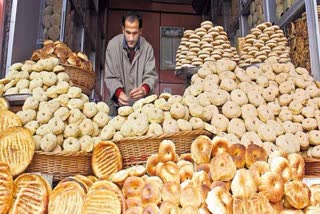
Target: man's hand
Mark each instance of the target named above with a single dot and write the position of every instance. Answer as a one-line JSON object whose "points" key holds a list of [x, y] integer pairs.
{"points": [[123, 100], [138, 93]]}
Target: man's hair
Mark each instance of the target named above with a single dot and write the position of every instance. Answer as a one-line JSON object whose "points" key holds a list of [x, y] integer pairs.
{"points": [[131, 16]]}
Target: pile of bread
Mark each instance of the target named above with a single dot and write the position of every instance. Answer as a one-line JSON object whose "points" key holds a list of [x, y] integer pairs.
{"points": [[299, 43], [217, 177], [256, 15], [203, 44], [51, 19], [65, 55], [274, 105], [83, 194], [283, 6], [31, 193], [153, 115], [264, 41], [28, 193], [58, 114]]}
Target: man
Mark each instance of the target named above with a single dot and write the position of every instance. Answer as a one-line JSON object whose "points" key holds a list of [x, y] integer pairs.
{"points": [[130, 64]]}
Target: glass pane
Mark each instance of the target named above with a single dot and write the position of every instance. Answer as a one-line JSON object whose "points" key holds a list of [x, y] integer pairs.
{"points": [[50, 20], [170, 40]]}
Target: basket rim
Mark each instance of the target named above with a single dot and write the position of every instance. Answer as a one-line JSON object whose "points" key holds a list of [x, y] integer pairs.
{"points": [[162, 136], [72, 66], [308, 159], [65, 154]]}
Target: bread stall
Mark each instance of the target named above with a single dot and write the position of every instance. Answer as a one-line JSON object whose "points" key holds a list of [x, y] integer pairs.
{"points": [[241, 138]]}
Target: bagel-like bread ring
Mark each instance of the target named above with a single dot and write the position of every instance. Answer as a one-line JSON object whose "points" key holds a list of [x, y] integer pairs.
{"points": [[201, 178], [132, 186], [201, 149], [222, 167], [297, 194], [155, 179], [281, 166], [315, 195], [238, 154], [219, 200], [271, 185], [255, 153], [297, 165], [190, 195], [152, 162], [219, 145], [258, 203], [186, 172], [169, 171], [167, 151], [171, 192], [258, 169], [150, 193], [243, 184]]}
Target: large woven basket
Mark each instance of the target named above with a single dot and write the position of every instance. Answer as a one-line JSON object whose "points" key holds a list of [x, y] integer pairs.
{"points": [[136, 150], [81, 78], [62, 164], [312, 167]]}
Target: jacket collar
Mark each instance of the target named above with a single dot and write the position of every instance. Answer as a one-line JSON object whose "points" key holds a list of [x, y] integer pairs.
{"points": [[126, 47]]}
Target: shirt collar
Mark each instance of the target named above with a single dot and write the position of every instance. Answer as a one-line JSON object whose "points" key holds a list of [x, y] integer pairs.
{"points": [[125, 44]]}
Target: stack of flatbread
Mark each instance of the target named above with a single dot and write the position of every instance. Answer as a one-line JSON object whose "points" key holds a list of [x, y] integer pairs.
{"points": [[264, 41], [207, 43]]}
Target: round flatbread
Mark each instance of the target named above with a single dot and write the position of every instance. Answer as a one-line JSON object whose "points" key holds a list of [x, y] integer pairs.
{"points": [[31, 194], [17, 149], [68, 195], [8, 119], [106, 159]]}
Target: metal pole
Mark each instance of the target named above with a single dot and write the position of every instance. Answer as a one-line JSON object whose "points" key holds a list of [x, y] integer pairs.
{"points": [[314, 37], [63, 20], [11, 34], [269, 7]]}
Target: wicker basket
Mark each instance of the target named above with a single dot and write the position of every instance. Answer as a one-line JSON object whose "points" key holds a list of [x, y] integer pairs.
{"points": [[61, 165], [312, 167], [81, 78], [136, 150]]}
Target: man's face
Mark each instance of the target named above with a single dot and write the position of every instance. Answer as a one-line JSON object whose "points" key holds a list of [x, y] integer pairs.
{"points": [[131, 32]]}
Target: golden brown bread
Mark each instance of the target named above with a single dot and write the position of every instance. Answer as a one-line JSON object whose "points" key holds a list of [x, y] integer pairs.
{"points": [[219, 145], [255, 153], [222, 167], [101, 201], [31, 194], [17, 148], [201, 149], [66, 197], [106, 159], [238, 154], [297, 194], [7, 187], [171, 192], [8, 119]]}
